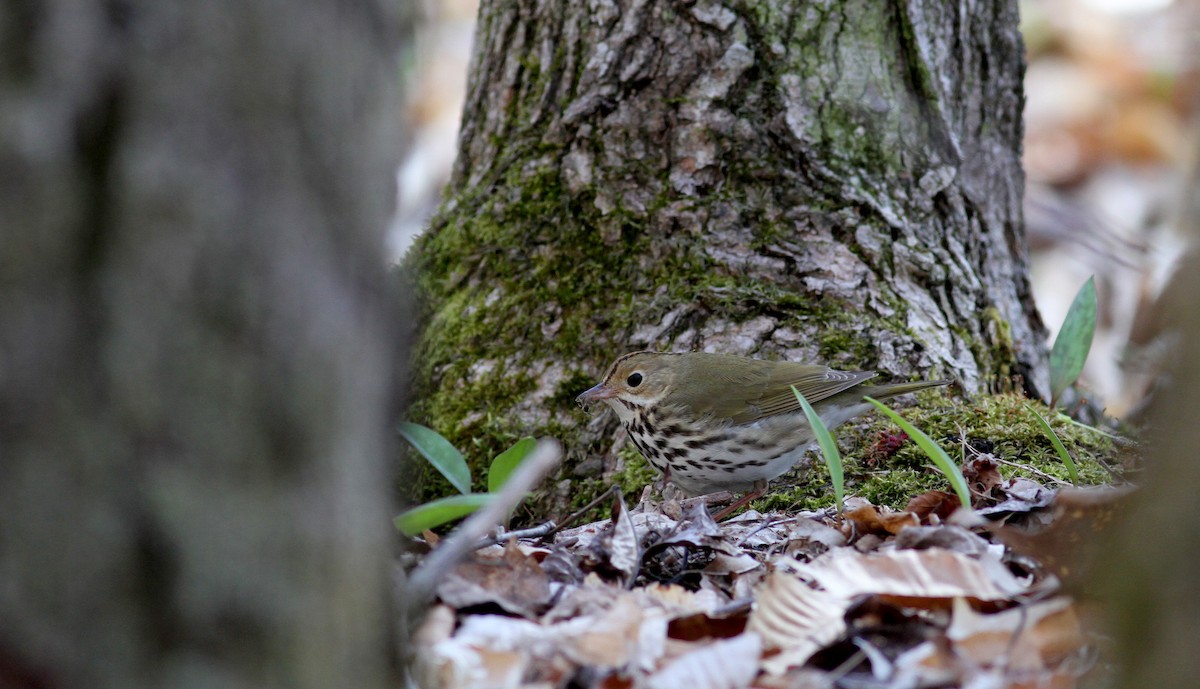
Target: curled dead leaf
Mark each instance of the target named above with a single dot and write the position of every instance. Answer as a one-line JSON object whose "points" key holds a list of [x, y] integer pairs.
{"points": [[1030, 638], [795, 618], [727, 664]]}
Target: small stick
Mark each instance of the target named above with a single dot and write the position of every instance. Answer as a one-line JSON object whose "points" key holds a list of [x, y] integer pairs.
{"points": [[767, 523], [1031, 470], [539, 531], [612, 490]]}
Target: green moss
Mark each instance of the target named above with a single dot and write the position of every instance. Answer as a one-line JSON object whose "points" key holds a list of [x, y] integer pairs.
{"points": [[998, 354], [897, 486], [804, 489], [492, 279], [637, 473], [839, 343], [1000, 424]]}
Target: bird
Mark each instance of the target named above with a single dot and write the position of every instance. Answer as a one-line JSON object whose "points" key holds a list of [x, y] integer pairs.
{"points": [[721, 422]]}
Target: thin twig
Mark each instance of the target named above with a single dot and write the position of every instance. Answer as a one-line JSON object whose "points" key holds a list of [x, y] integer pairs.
{"points": [[1026, 467], [736, 607], [767, 523], [847, 665], [612, 490], [1031, 470], [539, 531], [423, 581]]}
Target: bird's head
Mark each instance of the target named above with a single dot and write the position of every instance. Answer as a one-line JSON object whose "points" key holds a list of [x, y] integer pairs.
{"points": [[634, 381]]}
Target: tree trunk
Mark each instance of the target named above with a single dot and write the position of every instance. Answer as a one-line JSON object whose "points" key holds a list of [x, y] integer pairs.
{"points": [[1148, 565], [196, 384], [833, 182]]}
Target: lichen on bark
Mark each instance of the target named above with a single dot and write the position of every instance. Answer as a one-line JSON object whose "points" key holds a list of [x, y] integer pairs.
{"points": [[835, 182]]}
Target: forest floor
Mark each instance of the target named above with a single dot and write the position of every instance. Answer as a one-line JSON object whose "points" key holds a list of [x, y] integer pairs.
{"points": [[660, 595]]}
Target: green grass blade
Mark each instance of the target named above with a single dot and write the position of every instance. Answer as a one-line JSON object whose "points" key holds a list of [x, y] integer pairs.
{"points": [[1058, 445], [1074, 340], [440, 453], [1066, 419], [440, 511], [829, 450], [506, 462], [940, 459]]}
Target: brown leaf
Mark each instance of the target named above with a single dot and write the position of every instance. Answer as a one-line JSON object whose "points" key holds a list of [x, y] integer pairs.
{"points": [[515, 582], [869, 519], [719, 624], [1030, 638], [949, 536], [1018, 496], [928, 664], [1081, 518], [937, 503], [797, 619], [623, 544], [728, 664], [626, 635], [982, 474], [932, 573]]}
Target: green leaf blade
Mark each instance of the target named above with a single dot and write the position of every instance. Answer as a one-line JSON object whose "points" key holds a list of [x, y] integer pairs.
{"points": [[440, 453], [829, 450], [1074, 341], [507, 462], [1058, 445], [441, 511], [932, 450]]}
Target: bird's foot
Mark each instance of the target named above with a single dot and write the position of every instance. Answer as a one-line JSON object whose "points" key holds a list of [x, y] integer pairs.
{"points": [[759, 489]]}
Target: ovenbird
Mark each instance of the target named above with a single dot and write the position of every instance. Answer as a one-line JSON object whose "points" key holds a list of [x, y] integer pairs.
{"points": [[711, 422]]}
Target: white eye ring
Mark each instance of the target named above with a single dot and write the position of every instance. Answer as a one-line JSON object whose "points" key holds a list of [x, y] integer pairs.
{"points": [[634, 379]]}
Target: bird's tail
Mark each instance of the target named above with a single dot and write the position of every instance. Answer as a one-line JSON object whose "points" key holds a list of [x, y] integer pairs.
{"points": [[882, 392]]}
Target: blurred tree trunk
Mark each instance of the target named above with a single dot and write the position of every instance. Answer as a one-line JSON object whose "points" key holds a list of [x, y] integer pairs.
{"points": [[836, 182], [197, 353], [1149, 567]]}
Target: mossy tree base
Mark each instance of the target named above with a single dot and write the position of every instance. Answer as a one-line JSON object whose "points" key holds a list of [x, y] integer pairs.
{"points": [[837, 183]]}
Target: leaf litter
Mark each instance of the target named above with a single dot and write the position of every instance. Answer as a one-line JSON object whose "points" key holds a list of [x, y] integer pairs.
{"points": [[926, 596]]}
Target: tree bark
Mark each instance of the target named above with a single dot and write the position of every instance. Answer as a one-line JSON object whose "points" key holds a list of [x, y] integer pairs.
{"points": [[196, 380], [833, 182]]}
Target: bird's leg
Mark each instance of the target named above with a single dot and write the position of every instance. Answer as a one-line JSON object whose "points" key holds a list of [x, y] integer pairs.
{"points": [[759, 489], [669, 491]]}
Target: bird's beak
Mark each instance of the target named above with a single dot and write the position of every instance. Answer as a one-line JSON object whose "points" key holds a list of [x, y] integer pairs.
{"points": [[595, 394]]}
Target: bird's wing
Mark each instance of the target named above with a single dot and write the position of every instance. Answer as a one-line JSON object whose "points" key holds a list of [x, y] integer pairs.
{"points": [[778, 398], [743, 391]]}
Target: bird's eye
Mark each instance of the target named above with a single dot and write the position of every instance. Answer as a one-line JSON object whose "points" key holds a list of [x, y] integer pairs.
{"points": [[634, 380]]}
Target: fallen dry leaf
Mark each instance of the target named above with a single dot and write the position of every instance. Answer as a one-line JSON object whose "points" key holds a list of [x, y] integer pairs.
{"points": [[1030, 638], [727, 664], [870, 519], [982, 474], [795, 618], [933, 503], [623, 544], [928, 664], [1020, 495], [949, 536], [1079, 520], [627, 635], [717, 624], [515, 582], [932, 573]]}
